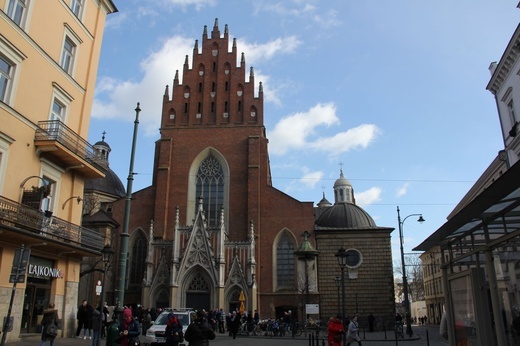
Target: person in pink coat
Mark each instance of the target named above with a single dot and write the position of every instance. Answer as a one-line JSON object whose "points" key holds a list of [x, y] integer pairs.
{"points": [[335, 331]]}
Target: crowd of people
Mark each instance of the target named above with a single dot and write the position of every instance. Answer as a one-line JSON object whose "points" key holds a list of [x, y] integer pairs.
{"points": [[137, 319]]}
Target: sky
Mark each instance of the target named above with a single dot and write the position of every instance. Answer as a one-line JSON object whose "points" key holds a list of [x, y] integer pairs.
{"points": [[391, 92]]}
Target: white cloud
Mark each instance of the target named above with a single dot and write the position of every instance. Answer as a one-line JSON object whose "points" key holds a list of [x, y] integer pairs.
{"points": [[402, 190], [296, 132], [116, 20], [293, 131], [256, 51], [357, 137], [310, 179], [117, 99], [369, 196], [329, 19]]}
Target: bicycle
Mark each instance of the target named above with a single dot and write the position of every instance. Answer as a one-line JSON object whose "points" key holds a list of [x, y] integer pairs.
{"points": [[296, 329]]}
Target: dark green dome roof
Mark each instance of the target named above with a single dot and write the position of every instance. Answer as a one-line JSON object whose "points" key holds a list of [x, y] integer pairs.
{"points": [[345, 216]]}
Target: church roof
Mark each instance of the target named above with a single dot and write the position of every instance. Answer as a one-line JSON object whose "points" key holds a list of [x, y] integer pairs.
{"points": [[101, 217], [110, 184], [345, 216], [324, 202], [341, 181]]}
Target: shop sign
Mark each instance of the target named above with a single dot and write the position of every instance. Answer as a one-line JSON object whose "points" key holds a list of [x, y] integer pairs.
{"points": [[37, 270], [42, 267]]}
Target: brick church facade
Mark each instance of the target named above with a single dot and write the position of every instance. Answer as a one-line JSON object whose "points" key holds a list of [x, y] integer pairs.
{"points": [[212, 228], [212, 224]]}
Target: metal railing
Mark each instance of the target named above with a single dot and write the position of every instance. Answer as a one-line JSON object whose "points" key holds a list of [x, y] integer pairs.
{"points": [[55, 130], [19, 216]]}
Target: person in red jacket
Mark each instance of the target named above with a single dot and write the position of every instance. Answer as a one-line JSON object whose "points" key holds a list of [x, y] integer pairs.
{"points": [[335, 331]]}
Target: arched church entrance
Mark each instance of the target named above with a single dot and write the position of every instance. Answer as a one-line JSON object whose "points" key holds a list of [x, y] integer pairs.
{"points": [[198, 293], [163, 299], [234, 299]]}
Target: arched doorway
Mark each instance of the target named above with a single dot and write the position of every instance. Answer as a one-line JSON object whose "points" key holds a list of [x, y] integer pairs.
{"points": [[163, 299], [198, 293], [234, 299]]}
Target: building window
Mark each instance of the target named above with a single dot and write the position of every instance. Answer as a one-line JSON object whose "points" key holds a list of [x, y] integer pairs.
{"points": [[285, 262], [198, 283], [138, 261], [10, 65], [210, 186], [77, 7], [67, 55], [511, 110], [61, 101], [5, 142], [17, 11], [58, 111], [47, 203], [6, 76]]}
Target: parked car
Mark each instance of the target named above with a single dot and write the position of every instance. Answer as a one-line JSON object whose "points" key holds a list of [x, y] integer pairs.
{"points": [[155, 335]]}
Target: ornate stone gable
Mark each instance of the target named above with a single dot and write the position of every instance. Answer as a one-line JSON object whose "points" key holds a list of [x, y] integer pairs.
{"points": [[198, 251]]}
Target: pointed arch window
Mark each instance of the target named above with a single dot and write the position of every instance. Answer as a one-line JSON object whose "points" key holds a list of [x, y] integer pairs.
{"points": [[210, 185], [285, 262], [138, 259], [198, 283]]}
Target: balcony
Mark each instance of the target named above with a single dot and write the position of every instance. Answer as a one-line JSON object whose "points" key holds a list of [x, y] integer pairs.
{"points": [[25, 225], [57, 142]]}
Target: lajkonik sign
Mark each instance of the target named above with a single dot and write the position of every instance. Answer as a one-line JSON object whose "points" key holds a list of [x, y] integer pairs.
{"points": [[37, 270]]}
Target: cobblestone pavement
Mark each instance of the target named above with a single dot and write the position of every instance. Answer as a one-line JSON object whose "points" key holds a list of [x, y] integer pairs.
{"points": [[423, 336]]}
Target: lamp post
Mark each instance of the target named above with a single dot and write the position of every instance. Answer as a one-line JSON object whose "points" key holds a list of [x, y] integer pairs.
{"points": [[337, 279], [306, 253], [106, 254], [123, 245], [342, 261], [405, 282]]}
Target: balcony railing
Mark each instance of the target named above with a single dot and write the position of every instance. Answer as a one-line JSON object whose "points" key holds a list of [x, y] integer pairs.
{"points": [[55, 130], [25, 218]]}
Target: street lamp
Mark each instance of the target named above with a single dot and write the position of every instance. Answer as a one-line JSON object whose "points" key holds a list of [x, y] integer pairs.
{"points": [[106, 254], [342, 261], [405, 282], [337, 279], [123, 244]]}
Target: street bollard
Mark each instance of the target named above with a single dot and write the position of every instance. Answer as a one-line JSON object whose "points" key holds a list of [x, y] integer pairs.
{"points": [[112, 333]]}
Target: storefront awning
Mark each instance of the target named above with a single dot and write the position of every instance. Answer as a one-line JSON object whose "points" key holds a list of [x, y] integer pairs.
{"points": [[492, 219]]}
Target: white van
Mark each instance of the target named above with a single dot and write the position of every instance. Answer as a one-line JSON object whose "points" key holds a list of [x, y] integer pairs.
{"points": [[155, 335]]}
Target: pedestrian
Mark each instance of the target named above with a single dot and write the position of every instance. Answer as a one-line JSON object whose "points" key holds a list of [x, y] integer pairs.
{"points": [[97, 322], [335, 331], [353, 332], [87, 327], [234, 324], [49, 323], [105, 320], [174, 334], [199, 332], [221, 321], [146, 320], [128, 330], [81, 316], [371, 320]]}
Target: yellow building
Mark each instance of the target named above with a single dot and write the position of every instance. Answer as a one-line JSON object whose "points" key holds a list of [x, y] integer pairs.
{"points": [[49, 55]]}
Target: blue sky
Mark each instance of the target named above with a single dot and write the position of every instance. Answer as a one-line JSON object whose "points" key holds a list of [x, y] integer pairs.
{"points": [[392, 91]]}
